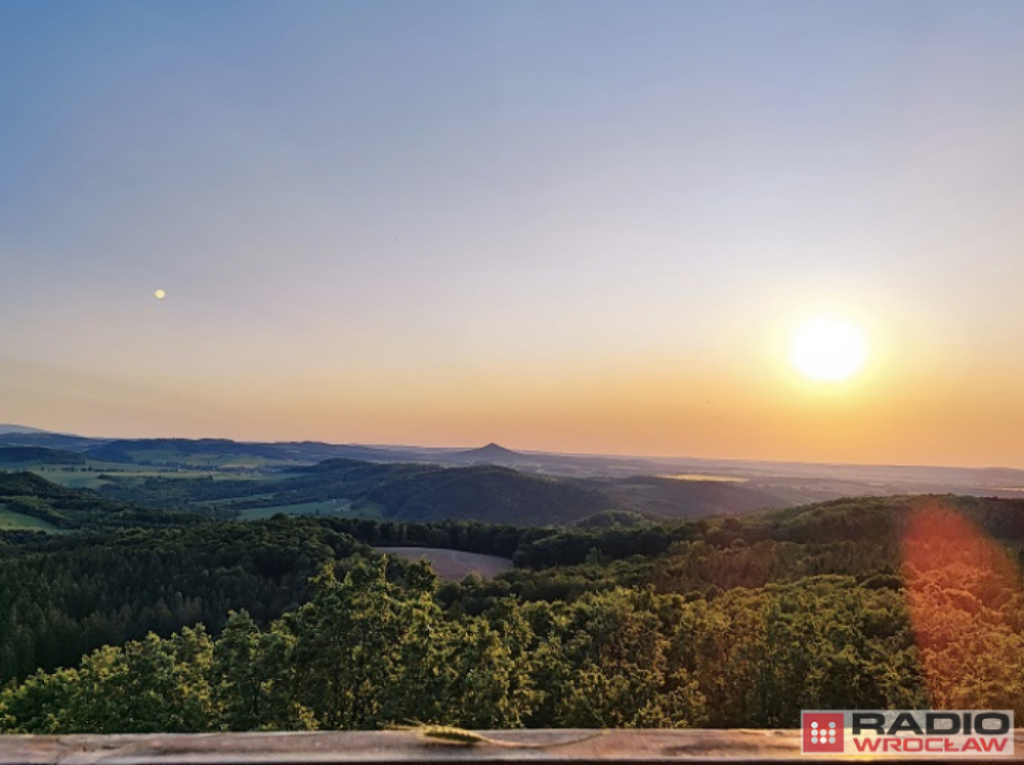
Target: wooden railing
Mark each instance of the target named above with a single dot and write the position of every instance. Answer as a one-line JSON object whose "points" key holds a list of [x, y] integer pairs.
{"points": [[564, 747]]}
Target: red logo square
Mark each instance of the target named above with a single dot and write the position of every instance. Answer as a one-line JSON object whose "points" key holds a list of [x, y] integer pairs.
{"points": [[822, 732]]}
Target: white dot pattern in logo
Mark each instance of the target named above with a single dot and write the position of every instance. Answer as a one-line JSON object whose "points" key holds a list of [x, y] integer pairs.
{"points": [[824, 734]]}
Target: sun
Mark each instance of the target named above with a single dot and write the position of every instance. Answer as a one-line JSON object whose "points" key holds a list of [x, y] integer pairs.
{"points": [[828, 349]]}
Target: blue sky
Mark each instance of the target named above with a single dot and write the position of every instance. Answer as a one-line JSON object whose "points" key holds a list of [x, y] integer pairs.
{"points": [[557, 225]]}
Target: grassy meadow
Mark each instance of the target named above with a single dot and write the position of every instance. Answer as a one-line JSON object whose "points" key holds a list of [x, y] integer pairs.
{"points": [[345, 508], [12, 521]]}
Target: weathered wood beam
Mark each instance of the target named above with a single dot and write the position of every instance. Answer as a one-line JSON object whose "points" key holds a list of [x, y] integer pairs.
{"points": [[558, 747]]}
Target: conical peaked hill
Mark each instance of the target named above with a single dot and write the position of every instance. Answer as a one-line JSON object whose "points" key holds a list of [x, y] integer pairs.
{"points": [[492, 454]]}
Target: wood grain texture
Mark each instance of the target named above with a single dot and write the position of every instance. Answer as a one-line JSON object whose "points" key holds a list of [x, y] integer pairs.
{"points": [[578, 747]]}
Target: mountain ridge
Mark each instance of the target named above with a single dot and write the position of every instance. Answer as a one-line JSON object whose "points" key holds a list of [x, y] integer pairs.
{"points": [[8, 427]]}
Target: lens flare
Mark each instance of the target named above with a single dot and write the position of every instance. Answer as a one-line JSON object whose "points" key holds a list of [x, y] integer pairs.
{"points": [[963, 593]]}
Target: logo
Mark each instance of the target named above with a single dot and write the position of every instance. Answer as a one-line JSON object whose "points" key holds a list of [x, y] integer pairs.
{"points": [[950, 733], [823, 732]]}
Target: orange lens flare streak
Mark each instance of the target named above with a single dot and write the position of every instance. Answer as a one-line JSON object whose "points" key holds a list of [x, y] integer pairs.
{"points": [[965, 604]]}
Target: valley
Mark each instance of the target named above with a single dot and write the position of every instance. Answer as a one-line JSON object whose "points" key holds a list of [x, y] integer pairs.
{"points": [[226, 479]]}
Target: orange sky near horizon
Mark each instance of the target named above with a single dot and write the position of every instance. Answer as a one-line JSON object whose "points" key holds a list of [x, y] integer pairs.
{"points": [[750, 406], [583, 227]]}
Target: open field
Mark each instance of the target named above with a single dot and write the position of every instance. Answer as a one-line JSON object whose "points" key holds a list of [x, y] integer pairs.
{"points": [[12, 521], [70, 479], [200, 460], [228, 502], [454, 565], [342, 507], [704, 477], [91, 475], [69, 476]]}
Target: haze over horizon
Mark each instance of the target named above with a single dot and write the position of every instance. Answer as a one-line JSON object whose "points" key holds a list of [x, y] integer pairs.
{"points": [[524, 450], [584, 227]]}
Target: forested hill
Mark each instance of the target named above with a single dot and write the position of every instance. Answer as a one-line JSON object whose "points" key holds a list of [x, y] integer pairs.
{"points": [[213, 452], [30, 495], [484, 493], [14, 455], [741, 621], [62, 596]]}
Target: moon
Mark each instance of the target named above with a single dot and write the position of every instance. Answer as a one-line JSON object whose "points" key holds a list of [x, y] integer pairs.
{"points": [[159, 294], [828, 349]]}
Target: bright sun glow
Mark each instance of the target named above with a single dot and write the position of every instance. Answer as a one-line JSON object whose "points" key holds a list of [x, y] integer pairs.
{"points": [[827, 349]]}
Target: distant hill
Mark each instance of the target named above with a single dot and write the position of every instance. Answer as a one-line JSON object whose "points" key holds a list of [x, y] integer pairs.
{"points": [[787, 483], [420, 492], [9, 428], [411, 491], [489, 494], [50, 441], [663, 487], [173, 451], [222, 452], [15, 455], [316, 452], [670, 498], [492, 454]]}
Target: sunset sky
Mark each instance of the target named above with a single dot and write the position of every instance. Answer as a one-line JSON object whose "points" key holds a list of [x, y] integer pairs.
{"points": [[574, 226]]}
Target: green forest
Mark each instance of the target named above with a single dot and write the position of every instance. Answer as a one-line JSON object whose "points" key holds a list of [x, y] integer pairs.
{"points": [[130, 618]]}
